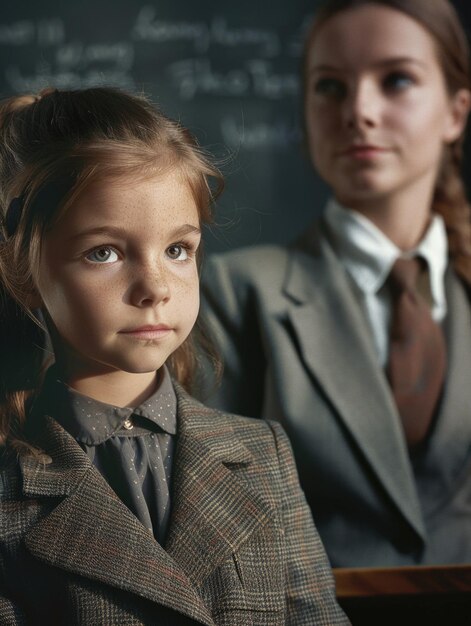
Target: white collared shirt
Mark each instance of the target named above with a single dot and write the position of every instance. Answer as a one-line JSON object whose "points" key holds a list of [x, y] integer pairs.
{"points": [[368, 256]]}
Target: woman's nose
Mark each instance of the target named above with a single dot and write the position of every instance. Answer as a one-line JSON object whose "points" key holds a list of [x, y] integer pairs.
{"points": [[150, 286], [361, 106]]}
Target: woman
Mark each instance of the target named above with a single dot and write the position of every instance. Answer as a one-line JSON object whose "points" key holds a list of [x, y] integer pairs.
{"points": [[317, 334]]}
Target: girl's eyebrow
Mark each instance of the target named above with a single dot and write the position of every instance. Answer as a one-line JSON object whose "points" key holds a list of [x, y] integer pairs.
{"points": [[186, 229], [117, 231], [114, 231]]}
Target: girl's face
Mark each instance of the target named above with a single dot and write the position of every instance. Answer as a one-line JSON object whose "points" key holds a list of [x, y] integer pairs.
{"points": [[377, 109], [118, 276]]}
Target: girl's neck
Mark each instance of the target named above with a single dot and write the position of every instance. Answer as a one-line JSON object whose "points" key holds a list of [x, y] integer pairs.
{"points": [[122, 389], [403, 216]]}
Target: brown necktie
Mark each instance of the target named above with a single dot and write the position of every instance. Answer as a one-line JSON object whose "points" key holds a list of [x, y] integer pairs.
{"points": [[417, 352]]}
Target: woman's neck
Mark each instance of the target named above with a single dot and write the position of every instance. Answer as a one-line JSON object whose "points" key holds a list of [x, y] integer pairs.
{"points": [[403, 217]]}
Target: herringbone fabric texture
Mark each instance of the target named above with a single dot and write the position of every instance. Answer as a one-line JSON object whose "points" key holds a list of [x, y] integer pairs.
{"points": [[241, 548], [417, 353]]}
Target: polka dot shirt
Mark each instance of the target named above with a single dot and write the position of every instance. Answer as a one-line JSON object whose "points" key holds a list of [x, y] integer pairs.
{"points": [[132, 448]]}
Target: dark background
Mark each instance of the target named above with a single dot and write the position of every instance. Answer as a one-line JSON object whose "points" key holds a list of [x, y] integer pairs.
{"points": [[228, 70]]}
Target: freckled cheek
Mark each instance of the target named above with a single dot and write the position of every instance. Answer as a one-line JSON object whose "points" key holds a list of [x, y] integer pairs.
{"points": [[186, 295], [186, 290], [78, 299]]}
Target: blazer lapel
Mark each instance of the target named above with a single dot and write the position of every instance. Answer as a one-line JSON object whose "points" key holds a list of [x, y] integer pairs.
{"points": [[338, 352], [450, 442], [92, 533], [214, 512]]}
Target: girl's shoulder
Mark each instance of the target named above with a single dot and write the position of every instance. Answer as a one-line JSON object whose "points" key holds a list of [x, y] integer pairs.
{"points": [[261, 437], [265, 441], [10, 474]]}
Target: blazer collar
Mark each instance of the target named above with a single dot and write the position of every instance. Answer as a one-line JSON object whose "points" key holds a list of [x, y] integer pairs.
{"points": [[92, 533], [208, 457], [338, 351], [449, 446]]}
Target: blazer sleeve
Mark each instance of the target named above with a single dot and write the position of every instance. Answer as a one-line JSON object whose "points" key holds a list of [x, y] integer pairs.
{"points": [[10, 613], [310, 587], [229, 313]]}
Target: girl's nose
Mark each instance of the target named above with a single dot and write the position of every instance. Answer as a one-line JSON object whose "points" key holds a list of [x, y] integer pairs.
{"points": [[149, 287], [361, 106]]}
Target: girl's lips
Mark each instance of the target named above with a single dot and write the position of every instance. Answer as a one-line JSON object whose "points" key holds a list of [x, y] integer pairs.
{"points": [[148, 332]]}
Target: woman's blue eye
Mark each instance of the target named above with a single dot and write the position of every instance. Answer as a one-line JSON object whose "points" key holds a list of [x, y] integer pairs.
{"points": [[104, 254], [330, 87], [177, 252], [396, 81]]}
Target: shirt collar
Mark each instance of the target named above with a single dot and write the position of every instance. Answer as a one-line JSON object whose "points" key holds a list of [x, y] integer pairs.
{"points": [[368, 255], [92, 422]]}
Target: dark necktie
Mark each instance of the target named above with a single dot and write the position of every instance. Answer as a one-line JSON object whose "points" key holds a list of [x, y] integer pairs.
{"points": [[417, 353]]}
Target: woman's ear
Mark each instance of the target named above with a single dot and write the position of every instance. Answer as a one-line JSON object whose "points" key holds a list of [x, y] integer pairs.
{"points": [[460, 105]]}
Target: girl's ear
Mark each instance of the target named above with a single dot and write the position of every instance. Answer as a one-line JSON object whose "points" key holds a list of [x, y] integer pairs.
{"points": [[460, 105], [34, 300]]}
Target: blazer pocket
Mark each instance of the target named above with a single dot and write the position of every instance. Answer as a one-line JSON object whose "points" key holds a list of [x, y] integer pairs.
{"points": [[251, 580]]}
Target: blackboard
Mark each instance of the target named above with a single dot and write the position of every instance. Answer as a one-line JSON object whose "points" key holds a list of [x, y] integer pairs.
{"points": [[228, 70]]}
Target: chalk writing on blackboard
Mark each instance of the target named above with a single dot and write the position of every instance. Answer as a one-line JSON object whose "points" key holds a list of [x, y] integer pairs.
{"points": [[255, 135], [259, 78], [203, 34], [192, 59], [44, 32], [228, 70]]}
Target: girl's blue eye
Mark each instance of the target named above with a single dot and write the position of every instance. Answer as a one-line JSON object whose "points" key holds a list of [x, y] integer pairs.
{"points": [[177, 252], [397, 81], [105, 254], [331, 87]]}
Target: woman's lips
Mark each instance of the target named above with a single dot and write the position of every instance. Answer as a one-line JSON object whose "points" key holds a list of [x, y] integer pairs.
{"points": [[363, 151]]}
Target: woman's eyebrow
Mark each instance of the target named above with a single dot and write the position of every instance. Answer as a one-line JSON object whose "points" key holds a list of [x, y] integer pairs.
{"points": [[381, 63], [399, 60]]}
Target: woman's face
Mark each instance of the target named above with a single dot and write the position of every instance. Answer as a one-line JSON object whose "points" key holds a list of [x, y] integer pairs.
{"points": [[378, 112]]}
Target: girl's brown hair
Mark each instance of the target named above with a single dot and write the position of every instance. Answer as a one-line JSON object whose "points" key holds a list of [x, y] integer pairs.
{"points": [[441, 21], [52, 147]]}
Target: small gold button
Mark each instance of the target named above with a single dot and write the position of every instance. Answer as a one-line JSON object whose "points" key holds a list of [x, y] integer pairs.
{"points": [[128, 425]]}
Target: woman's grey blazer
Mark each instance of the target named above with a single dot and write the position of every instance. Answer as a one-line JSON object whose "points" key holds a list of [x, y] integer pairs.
{"points": [[297, 347]]}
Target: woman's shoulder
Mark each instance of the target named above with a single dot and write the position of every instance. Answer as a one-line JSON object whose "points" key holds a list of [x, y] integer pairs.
{"points": [[248, 260], [265, 263]]}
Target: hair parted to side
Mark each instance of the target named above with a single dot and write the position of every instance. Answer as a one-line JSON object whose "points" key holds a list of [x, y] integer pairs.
{"points": [[53, 146], [439, 18]]}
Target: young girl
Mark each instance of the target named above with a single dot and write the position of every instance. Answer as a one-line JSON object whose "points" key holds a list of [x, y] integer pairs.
{"points": [[123, 500], [372, 386]]}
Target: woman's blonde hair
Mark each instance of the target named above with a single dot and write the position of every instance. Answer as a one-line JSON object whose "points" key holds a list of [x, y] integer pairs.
{"points": [[439, 18], [52, 148]]}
